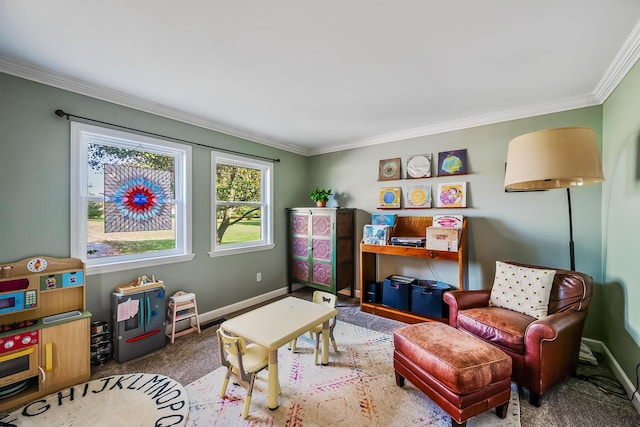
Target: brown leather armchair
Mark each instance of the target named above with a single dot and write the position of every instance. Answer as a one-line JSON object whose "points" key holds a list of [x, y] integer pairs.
{"points": [[543, 351]]}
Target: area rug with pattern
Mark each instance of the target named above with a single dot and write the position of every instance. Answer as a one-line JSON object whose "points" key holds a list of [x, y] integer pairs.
{"points": [[132, 400], [357, 388]]}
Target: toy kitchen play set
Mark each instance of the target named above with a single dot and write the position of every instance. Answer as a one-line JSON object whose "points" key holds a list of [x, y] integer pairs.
{"points": [[138, 318], [44, 328]]}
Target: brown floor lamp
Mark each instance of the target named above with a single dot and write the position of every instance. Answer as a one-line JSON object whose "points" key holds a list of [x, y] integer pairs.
{"points": [[554, 158]]}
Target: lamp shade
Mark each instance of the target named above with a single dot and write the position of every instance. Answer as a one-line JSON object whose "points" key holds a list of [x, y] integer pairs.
{"points": [[553, 158]]}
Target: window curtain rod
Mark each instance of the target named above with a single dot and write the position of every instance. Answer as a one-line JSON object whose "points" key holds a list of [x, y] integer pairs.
{"points": [[61, 113]]}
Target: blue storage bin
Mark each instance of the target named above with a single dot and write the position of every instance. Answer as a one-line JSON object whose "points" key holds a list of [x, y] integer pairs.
{"points": [[426, 298], [396, 292]]}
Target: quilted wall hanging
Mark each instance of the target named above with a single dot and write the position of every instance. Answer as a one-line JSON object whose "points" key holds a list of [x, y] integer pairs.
{"points": [[136, 199]]}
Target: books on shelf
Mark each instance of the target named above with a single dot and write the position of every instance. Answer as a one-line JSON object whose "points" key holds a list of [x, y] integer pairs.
{"points": [[415, 242], [444, 234], [448, 221], [383, 219], [376, 234], [443, 238]]}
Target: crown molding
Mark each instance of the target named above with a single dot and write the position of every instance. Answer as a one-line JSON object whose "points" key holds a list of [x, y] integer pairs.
{"points": [[626, 58], [481, 120], [623, 62], [82, 87]]}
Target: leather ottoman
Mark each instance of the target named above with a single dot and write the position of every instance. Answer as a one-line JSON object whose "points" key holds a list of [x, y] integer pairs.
{"points": [[462, 374]]}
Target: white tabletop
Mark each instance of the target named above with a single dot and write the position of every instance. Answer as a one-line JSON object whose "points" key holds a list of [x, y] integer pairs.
{"points": [[275, 324]]}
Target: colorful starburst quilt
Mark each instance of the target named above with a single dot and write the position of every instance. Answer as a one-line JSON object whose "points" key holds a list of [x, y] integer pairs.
{"points": [[136, 199]]}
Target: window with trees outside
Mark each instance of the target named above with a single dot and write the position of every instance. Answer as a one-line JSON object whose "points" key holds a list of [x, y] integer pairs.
{"points": [[130, 199], [242, 204]]}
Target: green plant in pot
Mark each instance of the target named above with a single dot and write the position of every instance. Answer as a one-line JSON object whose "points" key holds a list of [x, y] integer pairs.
{"points": [[320, 196]]}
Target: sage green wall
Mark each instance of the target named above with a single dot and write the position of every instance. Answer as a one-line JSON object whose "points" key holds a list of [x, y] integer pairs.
{"points": [[621, 209], [34, 189], [528, 227]]}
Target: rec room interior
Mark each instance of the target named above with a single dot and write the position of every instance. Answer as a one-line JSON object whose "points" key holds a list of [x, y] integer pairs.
{"points": [[170, 172]]}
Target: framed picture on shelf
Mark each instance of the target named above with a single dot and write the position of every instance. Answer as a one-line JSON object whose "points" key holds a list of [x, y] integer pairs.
{"points": [[452, 195], [419, 166], [389, 169], [389, 198], [452, 162], [418, 197]]}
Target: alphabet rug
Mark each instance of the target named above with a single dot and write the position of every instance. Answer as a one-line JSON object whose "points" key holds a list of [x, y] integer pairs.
{"points": [[357, 388], [120, 400]]}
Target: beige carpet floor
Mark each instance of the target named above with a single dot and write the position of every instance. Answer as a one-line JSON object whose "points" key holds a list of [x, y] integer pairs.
{"points": [[357, 388], [573, 402]]}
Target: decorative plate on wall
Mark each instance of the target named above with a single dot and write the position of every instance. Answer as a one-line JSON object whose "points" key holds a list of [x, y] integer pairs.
{"points": [[452, 195], [389, 169], [418, 197], [419, 166], [452, 162], [389, 198]]}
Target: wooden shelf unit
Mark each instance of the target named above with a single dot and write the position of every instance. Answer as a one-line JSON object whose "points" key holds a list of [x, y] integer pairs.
{"points": [[409, 226]]}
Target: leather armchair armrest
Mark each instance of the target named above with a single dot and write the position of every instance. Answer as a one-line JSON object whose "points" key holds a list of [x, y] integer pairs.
{"points": [[552, 327], [468, 299], [554, 338], [462, 300]]}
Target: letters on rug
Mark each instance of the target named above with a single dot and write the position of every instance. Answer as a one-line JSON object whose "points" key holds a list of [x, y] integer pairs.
{"points": [[121, 400], [356, 388]]}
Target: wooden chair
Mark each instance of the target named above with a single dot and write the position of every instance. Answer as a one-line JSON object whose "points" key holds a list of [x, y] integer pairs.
{"points": [[182, 306], [244, 361], [320, 297]]}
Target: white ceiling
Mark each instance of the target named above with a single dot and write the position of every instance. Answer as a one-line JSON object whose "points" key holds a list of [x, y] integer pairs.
{"points": [[321, 76]]}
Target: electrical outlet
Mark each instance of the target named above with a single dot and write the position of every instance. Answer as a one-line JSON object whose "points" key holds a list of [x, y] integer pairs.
{"points": [[259, 277]]}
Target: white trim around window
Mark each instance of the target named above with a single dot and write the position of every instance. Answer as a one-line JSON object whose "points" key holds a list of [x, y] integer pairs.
{"points": [[82, 135], [266, 240]]}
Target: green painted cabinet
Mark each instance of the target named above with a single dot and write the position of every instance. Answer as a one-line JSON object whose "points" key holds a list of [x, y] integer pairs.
{"points": [[321, 248]]}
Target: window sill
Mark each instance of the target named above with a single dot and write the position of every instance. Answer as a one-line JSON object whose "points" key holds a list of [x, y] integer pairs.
{"points": [[128, 265], [243, 250]]}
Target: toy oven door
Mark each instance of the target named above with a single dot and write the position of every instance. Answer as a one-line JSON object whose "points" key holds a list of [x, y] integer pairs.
{"points": [[18, 365]]}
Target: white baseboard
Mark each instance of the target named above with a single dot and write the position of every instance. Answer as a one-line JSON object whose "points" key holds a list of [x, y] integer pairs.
{"points": [[622, 378], [223, 311]]}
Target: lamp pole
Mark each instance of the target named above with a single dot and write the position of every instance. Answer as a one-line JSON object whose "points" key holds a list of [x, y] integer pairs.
{"points": [[572, 255]]}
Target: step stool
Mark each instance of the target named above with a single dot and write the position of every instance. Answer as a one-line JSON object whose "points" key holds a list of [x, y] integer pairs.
{"points": [[182, 306]]}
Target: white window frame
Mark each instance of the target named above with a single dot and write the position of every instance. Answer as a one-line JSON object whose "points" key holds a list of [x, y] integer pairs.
{"points": [[266, 170], [82, 135]]}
